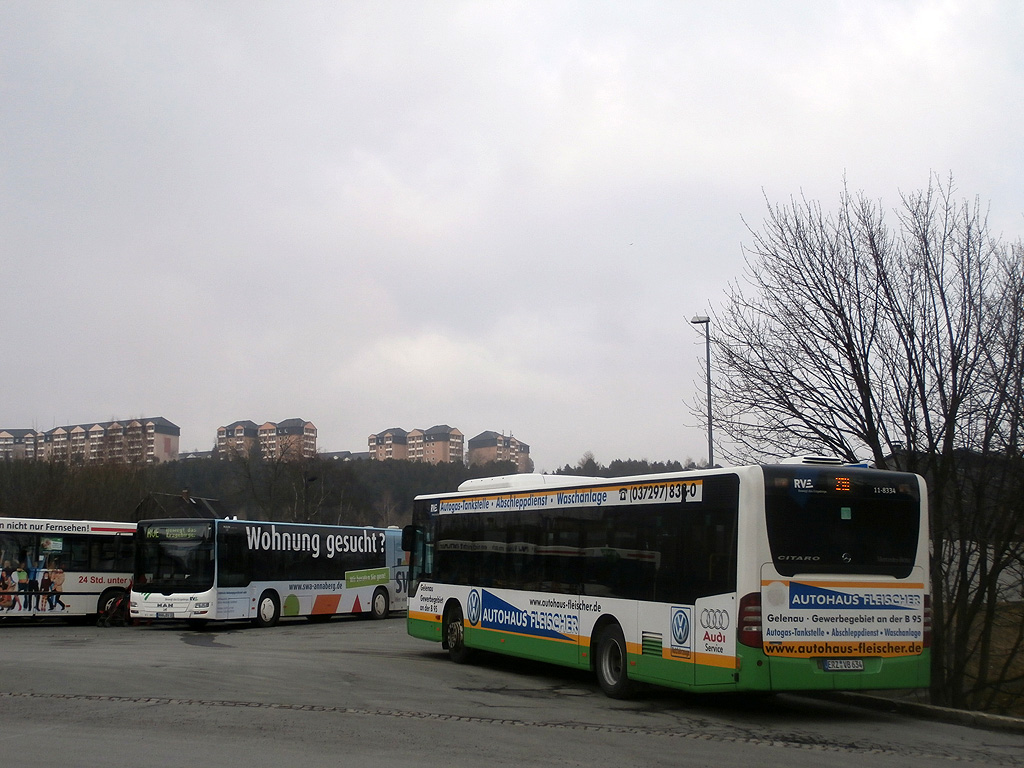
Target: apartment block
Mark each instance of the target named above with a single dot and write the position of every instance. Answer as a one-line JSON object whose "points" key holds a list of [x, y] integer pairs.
{"points": [[390, 444], [237, 438], [19, 443], [493, 446], [131, 441], [438, 445], [288, 440]]}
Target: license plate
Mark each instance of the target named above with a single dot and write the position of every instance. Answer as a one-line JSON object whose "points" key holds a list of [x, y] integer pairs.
{"points": [[164, 615], [843, 665]]}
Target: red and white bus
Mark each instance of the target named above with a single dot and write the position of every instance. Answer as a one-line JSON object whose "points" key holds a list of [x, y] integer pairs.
{"points": [[63, 568]]}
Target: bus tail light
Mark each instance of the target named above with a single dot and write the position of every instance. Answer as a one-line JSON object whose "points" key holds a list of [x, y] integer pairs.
{"points": [[749, 629], [927, 629]]}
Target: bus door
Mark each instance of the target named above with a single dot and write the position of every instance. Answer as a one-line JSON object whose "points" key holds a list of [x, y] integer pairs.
{"points": [[714, 633], [698, 572], [398, 562]]}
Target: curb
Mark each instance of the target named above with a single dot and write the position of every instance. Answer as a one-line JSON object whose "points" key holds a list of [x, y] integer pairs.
{"points": [[930, 711]]}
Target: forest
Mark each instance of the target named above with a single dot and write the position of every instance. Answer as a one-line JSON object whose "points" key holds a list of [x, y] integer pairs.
{"points": [[318, 490]]}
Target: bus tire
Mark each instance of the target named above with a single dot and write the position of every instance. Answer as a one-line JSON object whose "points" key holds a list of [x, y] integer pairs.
{"points": [[106, 603], [268, 610], [380, 605], [455, 635], [611, 662]]}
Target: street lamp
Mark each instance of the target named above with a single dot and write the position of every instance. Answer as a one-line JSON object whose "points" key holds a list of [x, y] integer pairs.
{"points": [[706, 322]]}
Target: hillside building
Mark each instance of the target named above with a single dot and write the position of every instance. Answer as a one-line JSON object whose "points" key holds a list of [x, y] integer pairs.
{"points": [[288, 440], [129, 441], [493, 446], [440, 444]]}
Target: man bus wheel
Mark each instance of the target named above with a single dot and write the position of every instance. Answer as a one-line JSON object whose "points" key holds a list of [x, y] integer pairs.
{"points": [[380, 606], [268, 610]]}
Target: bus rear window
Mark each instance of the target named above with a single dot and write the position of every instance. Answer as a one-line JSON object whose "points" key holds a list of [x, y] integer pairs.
{"points": [[829, 522]]}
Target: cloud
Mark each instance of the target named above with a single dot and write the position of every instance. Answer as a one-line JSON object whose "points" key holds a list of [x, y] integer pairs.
{"points": [[493, 215]]}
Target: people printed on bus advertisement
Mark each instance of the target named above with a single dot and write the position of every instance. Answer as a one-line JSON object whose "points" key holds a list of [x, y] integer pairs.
{"points": [[6, 587], [45, 586], [57, 587], [33, 587], [14, 579], [23, 594], [37, 589], [32, 566]]}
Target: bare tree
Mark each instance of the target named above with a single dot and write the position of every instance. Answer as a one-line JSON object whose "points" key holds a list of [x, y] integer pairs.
{"points": [[903, 344], [270, 484]]}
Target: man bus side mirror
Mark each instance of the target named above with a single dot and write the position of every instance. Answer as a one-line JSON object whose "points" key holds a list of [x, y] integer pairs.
{"points": [[408, 537]]}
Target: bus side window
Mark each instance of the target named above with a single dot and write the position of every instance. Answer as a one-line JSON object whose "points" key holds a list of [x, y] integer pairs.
{"points": [[111, 554], [561, 555], [78, 558], [455, 558], [722, 559], [523, 560], [15, 549], [233, 557], [124, 559]]}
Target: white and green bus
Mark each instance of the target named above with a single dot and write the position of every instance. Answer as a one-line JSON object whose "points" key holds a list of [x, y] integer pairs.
{"points": [[202, 570], [805, 575]]}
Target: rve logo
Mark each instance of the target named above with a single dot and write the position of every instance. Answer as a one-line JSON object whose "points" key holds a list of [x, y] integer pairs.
{"points": [[803, 484]]}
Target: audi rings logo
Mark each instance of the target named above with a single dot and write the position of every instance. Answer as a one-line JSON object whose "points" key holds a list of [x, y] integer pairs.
{"points": [[474, 607], [714, 618]]}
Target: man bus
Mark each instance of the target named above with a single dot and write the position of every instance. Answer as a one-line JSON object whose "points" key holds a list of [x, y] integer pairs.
{"points": [[201, 570]]}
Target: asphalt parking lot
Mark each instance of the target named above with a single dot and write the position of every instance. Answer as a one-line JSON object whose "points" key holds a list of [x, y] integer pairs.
{"points": [[354, 689]]}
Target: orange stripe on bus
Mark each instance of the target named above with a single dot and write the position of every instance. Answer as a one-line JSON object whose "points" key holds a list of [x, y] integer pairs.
{"points": [[326, 604]]}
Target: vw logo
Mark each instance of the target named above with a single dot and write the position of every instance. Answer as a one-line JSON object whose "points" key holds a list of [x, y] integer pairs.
{"points": [[714, 618], [474, 607], [680, 627]]}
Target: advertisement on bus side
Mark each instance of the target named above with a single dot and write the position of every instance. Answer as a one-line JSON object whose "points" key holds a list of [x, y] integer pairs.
{"points": [[808, 618]]}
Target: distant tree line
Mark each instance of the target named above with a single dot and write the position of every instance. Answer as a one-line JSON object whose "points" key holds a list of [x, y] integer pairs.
{"points": [[588, 466], [316, 490]]}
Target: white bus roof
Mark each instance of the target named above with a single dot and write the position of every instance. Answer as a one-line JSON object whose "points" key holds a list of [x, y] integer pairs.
{"points": [[512, 482], [536, 481]]}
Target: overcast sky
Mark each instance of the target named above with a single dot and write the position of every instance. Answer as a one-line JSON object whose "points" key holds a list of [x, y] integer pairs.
{"points": [[497, 216]]}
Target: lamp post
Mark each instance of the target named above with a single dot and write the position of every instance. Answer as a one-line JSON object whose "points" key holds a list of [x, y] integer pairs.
{"points": [[706, 322]]}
